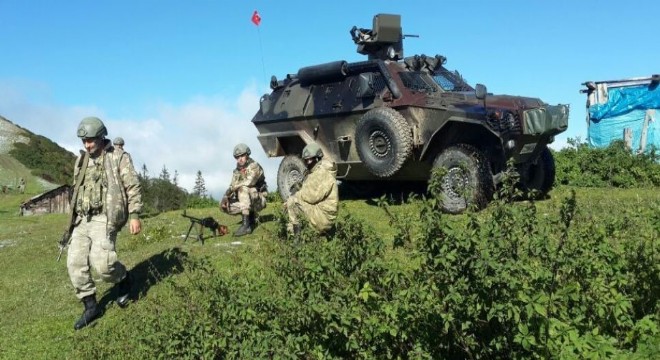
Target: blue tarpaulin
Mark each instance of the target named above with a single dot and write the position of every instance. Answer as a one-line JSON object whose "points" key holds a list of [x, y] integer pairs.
{"points": [[627, 107]]}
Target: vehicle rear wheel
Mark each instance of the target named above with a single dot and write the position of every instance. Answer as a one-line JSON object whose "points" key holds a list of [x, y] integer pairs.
{"points": [[468, 179], [384, 141], [292, 170], [538, 178]]}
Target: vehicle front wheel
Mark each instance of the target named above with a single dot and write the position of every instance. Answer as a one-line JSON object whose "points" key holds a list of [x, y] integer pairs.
{"points": [[292, 171], [467, 180], [538, 178]]}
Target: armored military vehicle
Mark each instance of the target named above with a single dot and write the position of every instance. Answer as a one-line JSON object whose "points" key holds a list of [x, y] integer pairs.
{"points": [[391, 119]]}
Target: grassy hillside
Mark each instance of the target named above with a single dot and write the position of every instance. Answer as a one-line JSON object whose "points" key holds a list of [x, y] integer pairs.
{"points": [[11, 171], [184, 312], [45, 159]]}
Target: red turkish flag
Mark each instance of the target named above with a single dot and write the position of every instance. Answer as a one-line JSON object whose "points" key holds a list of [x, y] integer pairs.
{"points": [[256, 19]]}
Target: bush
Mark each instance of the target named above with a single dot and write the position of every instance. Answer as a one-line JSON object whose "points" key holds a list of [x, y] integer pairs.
{"points": [[160, 195], [614, 166], [200, 202], [506, 283]]}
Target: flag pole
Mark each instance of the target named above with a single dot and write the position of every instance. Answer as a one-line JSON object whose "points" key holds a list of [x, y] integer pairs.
{"points": [[256, 20]]}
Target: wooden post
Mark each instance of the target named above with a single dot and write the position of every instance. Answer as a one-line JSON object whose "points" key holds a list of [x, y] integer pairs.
{"points": [[627, 138], [650, 114]]}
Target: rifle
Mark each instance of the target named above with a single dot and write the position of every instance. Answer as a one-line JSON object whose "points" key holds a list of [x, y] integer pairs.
{"points": [[207, 222], [66, 237]]}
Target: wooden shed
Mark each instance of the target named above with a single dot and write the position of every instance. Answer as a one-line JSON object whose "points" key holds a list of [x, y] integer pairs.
{"points": [[53, 201]]}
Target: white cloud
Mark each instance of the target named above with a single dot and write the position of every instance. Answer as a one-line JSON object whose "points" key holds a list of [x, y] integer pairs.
{"points": [[197, 135]]}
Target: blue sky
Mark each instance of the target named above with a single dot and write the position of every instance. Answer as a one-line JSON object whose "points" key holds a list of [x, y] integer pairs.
{"points": [[180, 80]]}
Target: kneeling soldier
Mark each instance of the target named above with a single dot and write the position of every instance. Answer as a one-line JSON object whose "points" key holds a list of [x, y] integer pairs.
{"points": [[247, 192], [318, 196]]}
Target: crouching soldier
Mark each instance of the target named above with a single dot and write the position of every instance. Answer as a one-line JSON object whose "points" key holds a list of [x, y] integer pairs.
{"points": [[247, 192], [318, 196]]}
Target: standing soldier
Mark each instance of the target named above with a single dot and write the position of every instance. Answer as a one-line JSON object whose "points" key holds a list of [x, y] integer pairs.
{"points": [[318, 196], [247, 192], [118, 142], [107, 194]]}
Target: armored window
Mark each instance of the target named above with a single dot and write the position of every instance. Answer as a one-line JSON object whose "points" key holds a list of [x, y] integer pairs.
{"points": [[378, 83], [416, 81], [450, 80]]}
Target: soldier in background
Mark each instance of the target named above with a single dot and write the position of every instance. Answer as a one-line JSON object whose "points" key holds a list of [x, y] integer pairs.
{"points": [[107, 196], [118, 142], [318, 196], [247, 192]]}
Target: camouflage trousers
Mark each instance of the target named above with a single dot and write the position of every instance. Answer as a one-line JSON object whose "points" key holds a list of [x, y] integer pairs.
{"points": [[316, 217], [249, 199], [93, 246]]}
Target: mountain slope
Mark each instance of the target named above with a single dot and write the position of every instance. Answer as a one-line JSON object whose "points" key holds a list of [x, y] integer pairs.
{"points": [[35, 158]]}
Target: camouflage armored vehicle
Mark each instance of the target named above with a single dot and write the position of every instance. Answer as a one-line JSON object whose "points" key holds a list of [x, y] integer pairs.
{"points": [[390, 119]]}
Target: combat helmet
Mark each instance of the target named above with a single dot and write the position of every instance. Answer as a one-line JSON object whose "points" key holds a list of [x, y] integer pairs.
{"points": [[241, 149], [118, 141], [91, 127], [312, 150]]}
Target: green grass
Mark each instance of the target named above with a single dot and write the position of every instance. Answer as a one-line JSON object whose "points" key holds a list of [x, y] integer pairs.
{"points": [[11, 170], [39, 308]]}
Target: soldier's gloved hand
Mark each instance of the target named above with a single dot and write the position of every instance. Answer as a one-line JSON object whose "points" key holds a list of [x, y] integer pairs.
{"points": [[224, 203], [64, 241]]}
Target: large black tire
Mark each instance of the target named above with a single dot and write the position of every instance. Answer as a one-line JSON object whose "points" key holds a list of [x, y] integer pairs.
{"points": [[292, 170], [468, 179], [383, 140], [538, 178]]}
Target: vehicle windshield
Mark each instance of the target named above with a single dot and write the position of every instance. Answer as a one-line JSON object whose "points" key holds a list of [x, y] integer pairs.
{"points": [[450, 80]]}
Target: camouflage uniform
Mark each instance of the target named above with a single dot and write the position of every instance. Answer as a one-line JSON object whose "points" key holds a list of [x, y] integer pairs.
{"points": [[317, 199], [247, 191], [109, 195]]}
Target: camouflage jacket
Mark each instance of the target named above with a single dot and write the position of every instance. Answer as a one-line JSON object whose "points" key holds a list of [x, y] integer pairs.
{"points": [[320, 188], [250, 175], [123, 194]]}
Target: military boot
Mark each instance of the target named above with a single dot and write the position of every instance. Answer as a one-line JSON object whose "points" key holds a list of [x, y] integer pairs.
{"points": [[91, 312], [124, 289], [246, 227], [294, 233], [253, 219]]}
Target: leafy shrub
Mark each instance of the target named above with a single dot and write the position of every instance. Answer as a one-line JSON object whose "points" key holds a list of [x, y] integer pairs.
{"points": [[200, 202], [505, 283], [159, 195], [614, 166]]}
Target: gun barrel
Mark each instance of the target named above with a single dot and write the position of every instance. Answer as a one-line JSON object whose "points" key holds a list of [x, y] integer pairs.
{"points": [[192, 218], [59, 256]]}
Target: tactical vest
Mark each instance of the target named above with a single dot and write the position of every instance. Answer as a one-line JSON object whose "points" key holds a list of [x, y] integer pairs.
{"points": [[93, 189]]}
